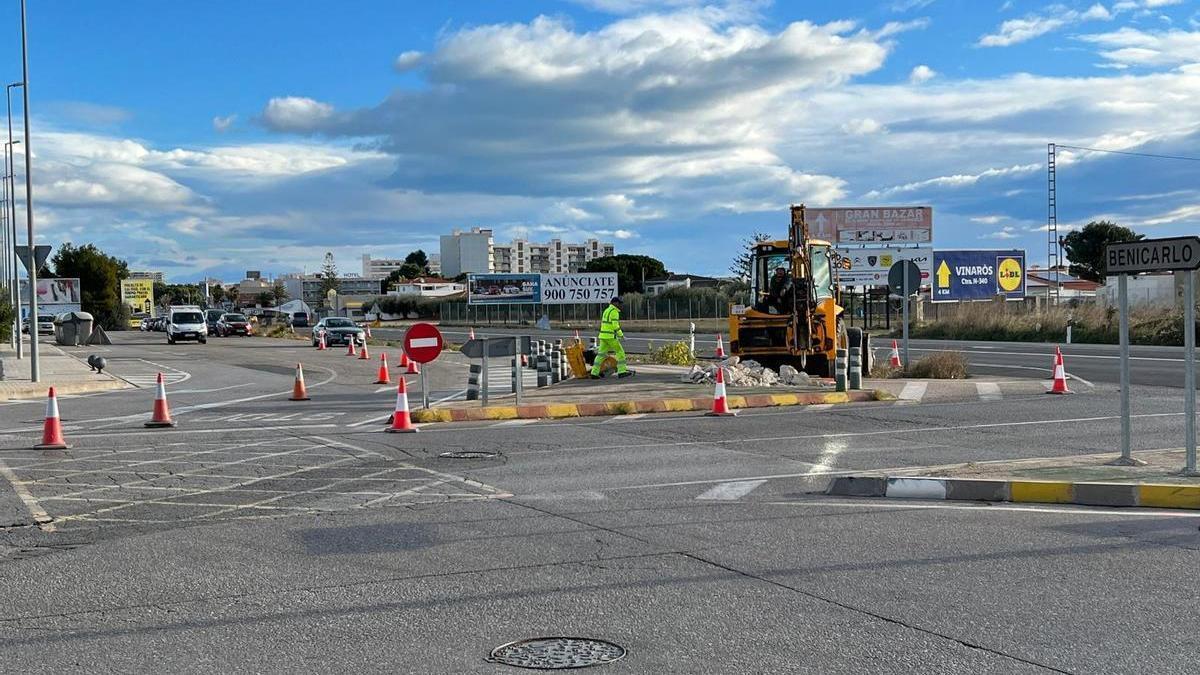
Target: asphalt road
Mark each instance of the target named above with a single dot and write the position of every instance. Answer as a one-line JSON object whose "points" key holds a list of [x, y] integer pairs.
{"points": [[266, 535]]}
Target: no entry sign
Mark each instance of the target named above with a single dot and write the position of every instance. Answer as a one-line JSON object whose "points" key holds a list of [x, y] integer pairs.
{"points": [[423, 342]]}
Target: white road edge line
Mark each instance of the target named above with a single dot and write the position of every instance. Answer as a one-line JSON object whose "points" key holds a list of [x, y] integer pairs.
{"points": [[988, 391], [730, 491], [913, 391], [43, 519], [991, 507]]}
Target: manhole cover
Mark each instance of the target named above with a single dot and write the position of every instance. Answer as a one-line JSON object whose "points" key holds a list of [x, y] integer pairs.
{"points": [[467, 454], [557, 653]]}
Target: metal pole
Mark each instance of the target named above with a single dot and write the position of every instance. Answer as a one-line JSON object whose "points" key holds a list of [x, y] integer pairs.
{"points": [[424, 391], [907, 363], [1123, 328], [34, 370], [1189, 373], [12, 211], [483, 391]]}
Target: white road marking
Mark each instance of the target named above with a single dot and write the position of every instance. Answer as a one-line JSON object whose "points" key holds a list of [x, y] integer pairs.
{"points": [[624, 418], [833, 448], [238, 430], [43, 519], [730, 491], [209, 391], [515, 423], [992, 507], [988, 391], [386, 387], [1050, 355], [913, 391]]}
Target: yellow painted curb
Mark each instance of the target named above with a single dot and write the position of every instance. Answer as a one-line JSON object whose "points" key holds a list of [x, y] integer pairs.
{"points": [[500, 413], [1169, 496], [785, 399], [561, 410], [423, 416], [680, 404], [836, 397], [735, 401], [1042, 492], [881, 395]]}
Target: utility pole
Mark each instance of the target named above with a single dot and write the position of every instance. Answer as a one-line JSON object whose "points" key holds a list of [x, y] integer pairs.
{"points": [[12, 211], [34, 374]]}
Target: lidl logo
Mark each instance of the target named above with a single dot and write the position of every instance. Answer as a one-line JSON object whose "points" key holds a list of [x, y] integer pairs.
{"points": [[1009, 274]]}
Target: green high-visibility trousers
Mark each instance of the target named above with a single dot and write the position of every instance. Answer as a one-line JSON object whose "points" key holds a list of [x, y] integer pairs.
{"points": [[603, 347]]}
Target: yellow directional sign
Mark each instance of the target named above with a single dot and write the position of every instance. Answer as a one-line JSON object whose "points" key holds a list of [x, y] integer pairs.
{"points": [[943, 275]]}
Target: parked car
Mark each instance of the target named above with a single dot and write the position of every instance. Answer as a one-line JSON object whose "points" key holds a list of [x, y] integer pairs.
{"points": [[211, 317], [337, 330], [45, 325], [234, 324], [299, 319], [186, 323]]}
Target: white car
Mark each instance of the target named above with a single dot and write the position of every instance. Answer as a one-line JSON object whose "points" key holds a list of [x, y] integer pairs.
{"points": [[186, 324]]}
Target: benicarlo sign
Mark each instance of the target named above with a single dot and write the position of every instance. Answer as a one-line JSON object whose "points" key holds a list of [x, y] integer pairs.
{"points": [[978, 275]]}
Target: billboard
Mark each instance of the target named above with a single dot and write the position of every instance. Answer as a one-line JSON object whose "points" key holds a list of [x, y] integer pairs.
{"points": [[504, 289], [138, 294], [869, 266], [561, 289], [883, 225], [978, 275], [54, 296]]}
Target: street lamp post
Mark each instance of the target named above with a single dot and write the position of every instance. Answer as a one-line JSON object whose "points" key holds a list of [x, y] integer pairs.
{"points": [[11, 231], [34, 370]]}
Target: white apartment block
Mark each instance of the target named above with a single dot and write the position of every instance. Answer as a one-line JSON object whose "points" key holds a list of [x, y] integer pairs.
{"points": [[555, 257], [379, 268], [466, 252]]}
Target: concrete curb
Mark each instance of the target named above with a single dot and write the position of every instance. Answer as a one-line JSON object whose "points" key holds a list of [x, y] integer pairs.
{"points": [[1021, 491], [38, 390], [607, 408]]}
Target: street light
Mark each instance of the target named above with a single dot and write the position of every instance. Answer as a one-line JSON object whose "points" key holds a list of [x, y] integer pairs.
{"points": [[34, 366], [11, 232]]}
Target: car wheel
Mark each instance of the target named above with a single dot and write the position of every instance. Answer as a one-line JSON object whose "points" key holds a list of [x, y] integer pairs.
{"points": [[203, 341]]}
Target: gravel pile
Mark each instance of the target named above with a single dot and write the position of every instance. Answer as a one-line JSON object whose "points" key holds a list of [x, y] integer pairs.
{"points": [[747, 373]]}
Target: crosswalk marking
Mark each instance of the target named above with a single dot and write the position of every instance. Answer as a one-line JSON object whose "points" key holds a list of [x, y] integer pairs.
{"points": [[913, 391], [988, 391], [144, 381], [730, 491]]}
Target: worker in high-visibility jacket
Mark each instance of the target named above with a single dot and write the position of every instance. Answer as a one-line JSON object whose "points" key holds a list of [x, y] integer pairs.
{"points": [[610, 340]]}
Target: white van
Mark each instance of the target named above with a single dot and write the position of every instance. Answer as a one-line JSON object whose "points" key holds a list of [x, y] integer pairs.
{"points": [[186, 323]]}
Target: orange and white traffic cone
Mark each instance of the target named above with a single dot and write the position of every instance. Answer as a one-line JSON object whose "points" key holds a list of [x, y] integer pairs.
{"points": [[350, 351], [362, 353], [367, 328], [413, 368], [162, 413], [383, 377], [401, 419], [720, 405], [299, 392], [1060, 375], [720, 347], [52, 435], [403, 362], [321, 342], [894, 358]]}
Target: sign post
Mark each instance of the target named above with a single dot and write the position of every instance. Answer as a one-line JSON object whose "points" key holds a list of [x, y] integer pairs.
{"points": [[1175, 254], [905, 279], [423, 343]]}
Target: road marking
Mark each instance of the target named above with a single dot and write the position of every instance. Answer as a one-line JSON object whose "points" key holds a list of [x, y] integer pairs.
{"points": [[386, 387], [624, 418], [913, 391], [992, 507], [988, 391], [515, 423], [1050, 355], [833, 448], [209, 391], [730, 491], [239, 430], [43, 519]]}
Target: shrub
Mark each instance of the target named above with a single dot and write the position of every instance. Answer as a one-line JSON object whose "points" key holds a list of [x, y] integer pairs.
{"points": [[940, 366], [675, 354]]}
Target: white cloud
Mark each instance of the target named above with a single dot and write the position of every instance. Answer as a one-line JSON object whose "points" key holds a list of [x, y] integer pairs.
{"points": [[1006, 232], [225, 123], [295, 113], [862, 127], [617, 234], [407, 61], [1132, 47], [954, 181], [909, 5], [988, 220], [1014, 31], [921, 74]]}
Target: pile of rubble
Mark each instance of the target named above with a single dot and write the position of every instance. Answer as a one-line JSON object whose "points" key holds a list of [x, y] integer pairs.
{"points": [[748, 373]]}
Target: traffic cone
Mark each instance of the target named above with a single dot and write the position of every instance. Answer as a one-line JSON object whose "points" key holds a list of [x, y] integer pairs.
{"points": [[1060, 375], [720, 347], [367, 328], [162, 414], [321, 343], [383, 377], [299, 393], [350, 347], [720, 405], [894, 358], [403, 362], [471, 334], [362, 353], [52, 436], [413, 368], [401, 420]]}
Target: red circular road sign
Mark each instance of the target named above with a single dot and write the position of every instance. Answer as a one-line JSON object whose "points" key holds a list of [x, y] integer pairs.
{"points": [[423, 342]]}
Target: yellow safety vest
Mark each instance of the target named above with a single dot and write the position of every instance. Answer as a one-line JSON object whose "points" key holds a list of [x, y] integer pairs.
{"points": [[610, 323]]}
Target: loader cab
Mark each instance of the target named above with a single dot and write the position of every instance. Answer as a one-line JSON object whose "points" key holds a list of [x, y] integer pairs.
{"points": [[770, 256]]}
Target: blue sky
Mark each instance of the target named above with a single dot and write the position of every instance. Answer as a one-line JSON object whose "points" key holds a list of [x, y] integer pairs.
{"points": [[211, 138]]}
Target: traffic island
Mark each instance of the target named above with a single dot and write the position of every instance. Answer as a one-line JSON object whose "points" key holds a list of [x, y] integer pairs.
{"points": [[1081, 479], [654, 389], [58, 369]]}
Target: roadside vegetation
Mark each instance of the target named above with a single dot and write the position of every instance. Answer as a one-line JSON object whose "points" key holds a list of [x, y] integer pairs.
{"points": [[1092, 323], [951, 365]]}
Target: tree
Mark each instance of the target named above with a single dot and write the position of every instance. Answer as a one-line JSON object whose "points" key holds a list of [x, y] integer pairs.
{"points": [[232, 293], [411, 270], [743, 263], [329, 275], [630, 269], [99, 277], [217, 293], [279, 293], [419, 259], [1085, 248], [265, 298]]}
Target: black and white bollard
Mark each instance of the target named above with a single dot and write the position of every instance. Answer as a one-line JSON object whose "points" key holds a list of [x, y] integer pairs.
{"points": [[855, 368], [473, 372], [839, 370], [543, 370]]}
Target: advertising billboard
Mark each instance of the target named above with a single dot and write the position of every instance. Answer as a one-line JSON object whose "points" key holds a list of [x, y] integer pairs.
{"points": [[561, 289], [978, 275], [882, 225], [138, 295], [869, 266], [54, 296], [504, 289]]}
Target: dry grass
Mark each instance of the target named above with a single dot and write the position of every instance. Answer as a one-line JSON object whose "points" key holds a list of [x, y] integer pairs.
{"points": [[1093, 323], [940, 366]]}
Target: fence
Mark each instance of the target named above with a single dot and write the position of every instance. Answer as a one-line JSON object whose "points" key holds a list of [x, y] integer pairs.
{"points": [[636, 308]]}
